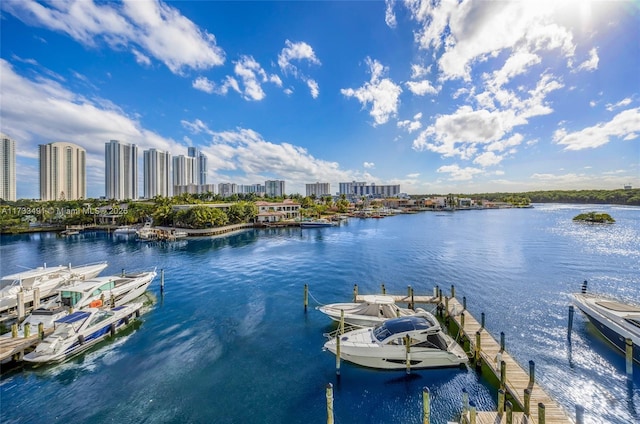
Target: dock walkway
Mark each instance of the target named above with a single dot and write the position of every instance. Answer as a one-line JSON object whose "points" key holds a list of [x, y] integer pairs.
{"points": [[10, 346], [516, 380]]}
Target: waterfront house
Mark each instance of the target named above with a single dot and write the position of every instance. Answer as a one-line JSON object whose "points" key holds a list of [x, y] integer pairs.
{"points": [[277, 211]]}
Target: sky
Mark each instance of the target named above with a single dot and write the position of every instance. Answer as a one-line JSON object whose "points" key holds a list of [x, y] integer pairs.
{"points": [[438, 97]]}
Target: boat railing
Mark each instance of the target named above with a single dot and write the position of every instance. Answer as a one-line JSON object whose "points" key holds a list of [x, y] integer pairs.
{"points": [[347, 327]]}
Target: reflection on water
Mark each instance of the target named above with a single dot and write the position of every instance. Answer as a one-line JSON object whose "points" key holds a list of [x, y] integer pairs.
{"points": [[229, 341]]}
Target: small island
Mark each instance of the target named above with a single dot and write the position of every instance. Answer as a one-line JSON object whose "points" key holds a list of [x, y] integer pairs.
{"points": [[594, 217]]}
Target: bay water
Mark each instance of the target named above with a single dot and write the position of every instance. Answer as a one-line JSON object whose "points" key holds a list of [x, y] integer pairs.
{"points": [[229, 340]]}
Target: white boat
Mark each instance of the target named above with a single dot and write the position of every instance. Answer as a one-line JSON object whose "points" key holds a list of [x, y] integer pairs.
{"points": [[147, 233], [115, 290], [385, 345], [373, 310], [316, 223], [616, 320], [125, 230], [80, 330], [46, 280]]}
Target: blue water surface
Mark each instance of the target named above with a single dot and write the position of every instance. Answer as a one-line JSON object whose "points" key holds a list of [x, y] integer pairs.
{"points": [[229, 341]]}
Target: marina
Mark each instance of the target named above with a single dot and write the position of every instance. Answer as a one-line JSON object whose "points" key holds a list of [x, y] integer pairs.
{"points": [[229, 327]]}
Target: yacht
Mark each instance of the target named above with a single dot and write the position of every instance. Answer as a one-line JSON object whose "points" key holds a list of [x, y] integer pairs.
{"points": [[80, 330], [316, 223], [418, 340], [616, 320], [125, 230], [373, 310], [46, 279]]}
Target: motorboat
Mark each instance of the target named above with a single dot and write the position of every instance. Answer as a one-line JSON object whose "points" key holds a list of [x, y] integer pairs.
{"points": [[373, 310], [616, 320], [80, 330], [147, 232], [316, 223], [107, 291], [417, 340], [125, 230], [45, 279]]}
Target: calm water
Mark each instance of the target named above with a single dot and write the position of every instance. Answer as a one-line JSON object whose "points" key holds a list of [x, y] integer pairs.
{"points": [[229, 341]]}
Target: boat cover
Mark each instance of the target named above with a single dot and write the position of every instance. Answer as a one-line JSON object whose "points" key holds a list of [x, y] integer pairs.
{"points": [[74, 317], [382, 310]]}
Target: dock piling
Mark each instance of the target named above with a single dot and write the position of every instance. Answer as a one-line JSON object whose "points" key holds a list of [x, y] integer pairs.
{"points": [[355, 292], [583, 290], [384, 290], [407, 345], [579, 414], [36, 298], [14, 330], [541, 413], [162, 281], [532, 373], [570, 326], [629, 356], [482, 321], [503, 375], [27, 330], [465, 400], [41, 330], [472, 413], [464, 303], [509, 407], [306, 296], [501, 399], [501, 341], [329, 394], [478, 348], [453, 291], [426, 407], [527, 402], [122, 272], [21, 305]]}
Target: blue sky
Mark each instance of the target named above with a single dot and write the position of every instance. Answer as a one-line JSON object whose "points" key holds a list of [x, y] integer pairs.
{"points": [[460, 96]]}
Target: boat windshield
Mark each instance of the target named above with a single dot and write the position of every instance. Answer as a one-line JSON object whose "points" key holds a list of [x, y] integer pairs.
{"points": [[400, 325], [8, 283], [70, 298]]}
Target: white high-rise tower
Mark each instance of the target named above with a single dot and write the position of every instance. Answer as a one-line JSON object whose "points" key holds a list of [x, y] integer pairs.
{"points": [[63, 171], [121, 170], [8, 170]]}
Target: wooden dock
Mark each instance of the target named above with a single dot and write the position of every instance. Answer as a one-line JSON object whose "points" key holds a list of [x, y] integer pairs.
{"points": [[10, 346], [516, 379]]}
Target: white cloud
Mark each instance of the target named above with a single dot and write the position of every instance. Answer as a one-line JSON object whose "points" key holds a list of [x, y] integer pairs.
{"points": [[369, 165], [625, 125], [622, 103], [389, 16], [420, 88], [411, 125], [459, 174], [299, 51], [203, 84], [419, 71], [147, 28], [381, 93], [141, 58], [487, 159], [590, 64], [313, 87]]}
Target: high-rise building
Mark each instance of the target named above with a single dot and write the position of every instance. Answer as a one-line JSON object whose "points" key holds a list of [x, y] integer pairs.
{"points": [[227, 189], [274, 188], [184, 170], [121, 170], [318, 189], [354, 190], [63, 174], [200, 168], [8, 170], [157, 174]]}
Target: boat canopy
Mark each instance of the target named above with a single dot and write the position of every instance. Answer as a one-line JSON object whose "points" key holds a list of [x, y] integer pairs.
{"points": [[400, 325], [74, 317]]}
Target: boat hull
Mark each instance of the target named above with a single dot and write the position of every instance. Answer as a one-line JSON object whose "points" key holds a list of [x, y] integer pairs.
{"points": [[612, 336]]}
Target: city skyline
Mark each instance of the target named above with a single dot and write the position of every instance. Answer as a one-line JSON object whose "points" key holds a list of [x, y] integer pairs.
{"points": [[464, 97]]}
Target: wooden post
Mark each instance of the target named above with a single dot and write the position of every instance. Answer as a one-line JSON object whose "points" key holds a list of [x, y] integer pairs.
{"points": [[27, 330], [338, 354], [472, 413], [426, 407], [501, 341], [14, 330], [435, 292], [113, 300], [329, 403], [464, 303], [407, 345], [162, 281], [579, 414], [384, 290], [629, 356], [122, 272], [439, 294], [409, 297], [306, 296], [503, 374], [509, 412], [465, 401], [482, 321], [527, 402], [541, 417], [36, 298], [461, 329], [20, 300], [453, 291], [478, 347], [446, 307], [584, 287], [571, 311], [501, 399], [355, 292], [41, 330], [341, 326], [532, 373]]}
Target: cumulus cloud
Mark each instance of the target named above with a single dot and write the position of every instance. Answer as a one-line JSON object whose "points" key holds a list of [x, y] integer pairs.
{"points": [[369, 165], [625, 126], [381, 93], [389, 15], [622, 103], [147, 28], [420, 88], [411, 125], [298, 52], [456, 173], [590, 64]]}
